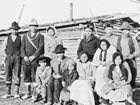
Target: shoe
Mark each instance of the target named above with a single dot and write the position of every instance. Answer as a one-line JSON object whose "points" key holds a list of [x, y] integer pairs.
{"points": [[25, 97], [133, 103], [43, 100], [56, 104], [16, 96], [33, 99], [6, 96], [48, 103]]}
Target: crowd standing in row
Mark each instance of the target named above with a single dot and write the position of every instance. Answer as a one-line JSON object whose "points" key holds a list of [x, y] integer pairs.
{"points": [[106, 66]]}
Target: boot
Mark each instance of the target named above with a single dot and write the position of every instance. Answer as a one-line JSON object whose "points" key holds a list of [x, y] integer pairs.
{"points": [[8, 91], [16, 92], [28, 94]]}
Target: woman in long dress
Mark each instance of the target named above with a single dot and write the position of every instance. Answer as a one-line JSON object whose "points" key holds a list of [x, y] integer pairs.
{"points": [[81, 90], [119, 76], [102, 58]]}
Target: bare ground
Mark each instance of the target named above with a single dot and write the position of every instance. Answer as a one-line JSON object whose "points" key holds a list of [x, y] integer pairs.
{"points": [[12, 101]]}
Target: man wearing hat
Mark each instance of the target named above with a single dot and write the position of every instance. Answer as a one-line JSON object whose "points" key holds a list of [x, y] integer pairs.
{"points": [[112, 39], [12, 46], [129, 48], [31, 49], [59, 65]]}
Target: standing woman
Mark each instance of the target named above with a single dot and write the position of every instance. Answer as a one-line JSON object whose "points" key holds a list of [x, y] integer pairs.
{"points": [[81, 89], [50, 41], [102, 58], [89, 43]]}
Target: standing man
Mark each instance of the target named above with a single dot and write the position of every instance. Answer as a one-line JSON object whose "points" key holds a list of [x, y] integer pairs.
{"points": [[89, 43], [129, 48], [32, 48], [112, 39], [13, 67]]}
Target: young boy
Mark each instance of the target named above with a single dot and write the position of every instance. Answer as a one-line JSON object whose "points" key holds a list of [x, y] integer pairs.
{"points": [[68, 77], [44, 80]]}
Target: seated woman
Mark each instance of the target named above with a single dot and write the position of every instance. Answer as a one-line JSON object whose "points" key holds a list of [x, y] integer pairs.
{"points": [[102, 58], [81, 89], [118, 77]]}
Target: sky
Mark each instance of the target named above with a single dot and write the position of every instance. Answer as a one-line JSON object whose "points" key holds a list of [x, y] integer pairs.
{"points": [[47, 11]]}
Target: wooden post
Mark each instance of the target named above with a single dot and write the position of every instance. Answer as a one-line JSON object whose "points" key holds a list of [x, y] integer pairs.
{"points": [[71, 11], [21, 12]]}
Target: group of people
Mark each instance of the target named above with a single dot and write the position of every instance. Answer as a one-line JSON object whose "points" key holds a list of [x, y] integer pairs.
{"points": [[106, 66]]}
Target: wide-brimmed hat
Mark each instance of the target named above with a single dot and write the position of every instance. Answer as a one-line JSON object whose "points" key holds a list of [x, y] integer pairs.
{"points": [[44, 59], [59, 49], [126, 26], [33, 22], [15, 26]]}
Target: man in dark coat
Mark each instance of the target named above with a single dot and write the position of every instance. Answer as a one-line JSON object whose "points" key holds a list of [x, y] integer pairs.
{"points": [[32, 48], [13, 46], [59, 65], [89, 43]]}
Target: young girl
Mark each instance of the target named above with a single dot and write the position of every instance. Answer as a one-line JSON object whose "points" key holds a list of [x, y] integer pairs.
{"points": [[119, 76], [44, 80], [81, 89], [68, 77]]}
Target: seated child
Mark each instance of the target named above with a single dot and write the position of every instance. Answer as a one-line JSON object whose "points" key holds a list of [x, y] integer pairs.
{"points": [[44, 80], [68, 77]]}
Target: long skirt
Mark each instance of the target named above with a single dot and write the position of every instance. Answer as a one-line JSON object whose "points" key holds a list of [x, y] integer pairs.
{"points": [[120, 94], [82, 92], [100, 83], [65, 94]]}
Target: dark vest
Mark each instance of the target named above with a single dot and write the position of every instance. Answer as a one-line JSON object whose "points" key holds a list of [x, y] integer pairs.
{"points": [[13, 48]]}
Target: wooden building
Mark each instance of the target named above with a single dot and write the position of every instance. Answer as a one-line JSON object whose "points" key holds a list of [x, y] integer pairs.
{"points": [[71, 31]]}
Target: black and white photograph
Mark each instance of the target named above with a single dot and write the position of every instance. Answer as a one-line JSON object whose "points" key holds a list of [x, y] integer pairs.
{"points": [[70, 52]]}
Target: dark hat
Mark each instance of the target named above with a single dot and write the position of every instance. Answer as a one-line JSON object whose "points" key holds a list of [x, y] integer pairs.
{"points": [[59, 49], [126, 26], [15, 26], [44, 59], [107, 25], [90, 26]]}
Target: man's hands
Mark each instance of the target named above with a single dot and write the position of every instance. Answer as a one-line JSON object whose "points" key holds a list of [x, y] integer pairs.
{"points": [[56, 76], [26, 59], [31, 58]]}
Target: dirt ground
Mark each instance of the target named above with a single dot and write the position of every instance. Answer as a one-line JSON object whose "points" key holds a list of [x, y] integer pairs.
{"points": [[12, 101]]}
